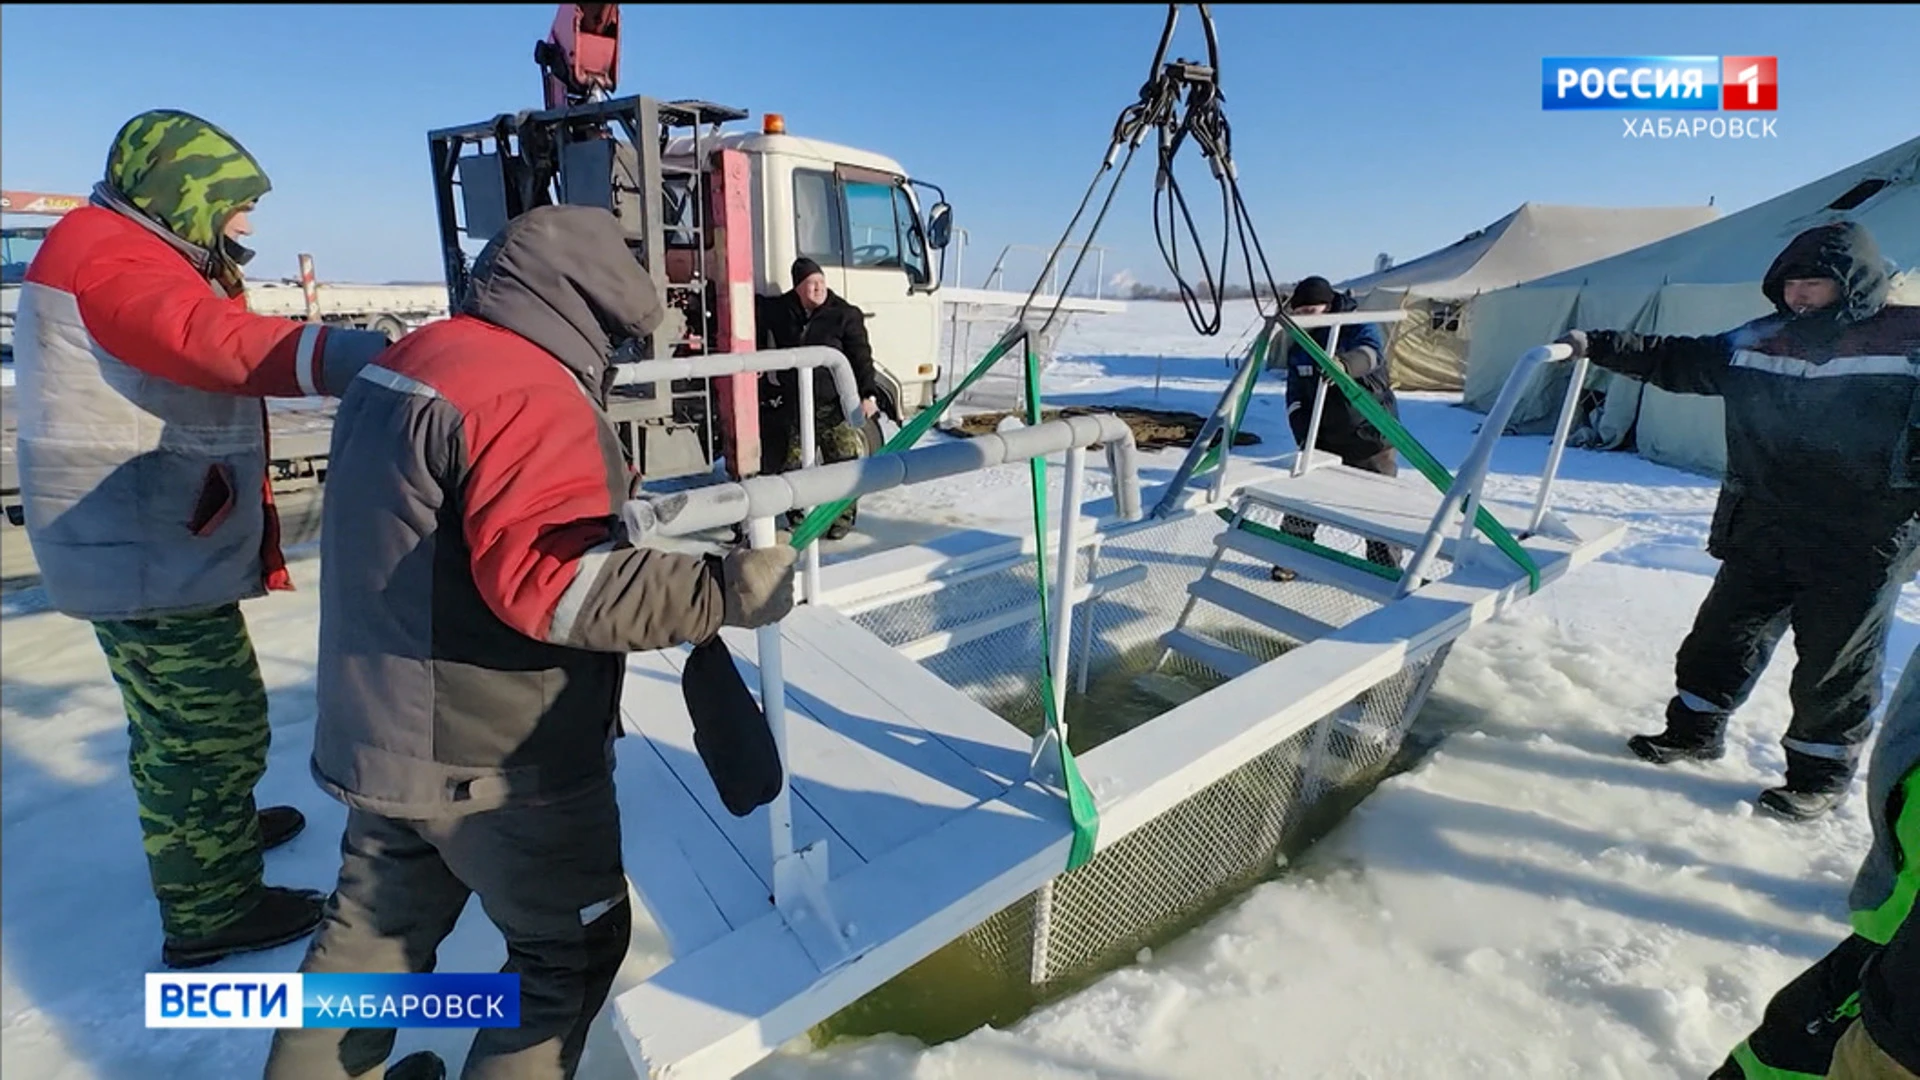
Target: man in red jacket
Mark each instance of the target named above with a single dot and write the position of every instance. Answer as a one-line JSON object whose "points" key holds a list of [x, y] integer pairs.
{"points": [[143, 476], [478, 604]]}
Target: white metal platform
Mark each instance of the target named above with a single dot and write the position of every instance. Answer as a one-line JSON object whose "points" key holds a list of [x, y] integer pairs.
{"points": [[929, 804]]}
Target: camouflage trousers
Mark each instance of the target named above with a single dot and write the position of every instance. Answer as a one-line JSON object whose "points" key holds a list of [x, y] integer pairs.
{"points": [[197, 721], [834, 440]]}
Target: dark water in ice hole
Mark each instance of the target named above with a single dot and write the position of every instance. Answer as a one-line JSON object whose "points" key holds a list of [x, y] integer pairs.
{"points": [[955, 991]]}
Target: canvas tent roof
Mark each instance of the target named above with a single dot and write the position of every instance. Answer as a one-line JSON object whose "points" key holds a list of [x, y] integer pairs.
{"points": [[1702, 281], [1533, 240]]}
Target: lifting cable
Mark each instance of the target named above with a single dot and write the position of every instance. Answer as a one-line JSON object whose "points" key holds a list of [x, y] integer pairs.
{"points": [[1181, 101]]}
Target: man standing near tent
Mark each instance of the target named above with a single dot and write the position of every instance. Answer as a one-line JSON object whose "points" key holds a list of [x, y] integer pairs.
{"points": [[143, 473], [1362, 353], [1816, 526]]}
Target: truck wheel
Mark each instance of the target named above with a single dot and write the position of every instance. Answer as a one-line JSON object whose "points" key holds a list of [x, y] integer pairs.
{"points": [[388, 325], [872, 436]]}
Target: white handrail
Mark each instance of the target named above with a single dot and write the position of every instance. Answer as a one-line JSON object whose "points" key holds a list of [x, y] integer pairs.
{"points": [[802, 359], [1465, 491]]}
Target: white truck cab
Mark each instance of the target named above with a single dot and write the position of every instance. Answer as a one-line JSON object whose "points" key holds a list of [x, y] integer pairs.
{"points": [[856, 214]]}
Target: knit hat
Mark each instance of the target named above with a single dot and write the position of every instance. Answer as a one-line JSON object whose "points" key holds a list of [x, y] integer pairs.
{"points": [[804, 268], [1312, 290]]}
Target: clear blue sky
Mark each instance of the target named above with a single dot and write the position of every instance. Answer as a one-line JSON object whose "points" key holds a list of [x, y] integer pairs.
{"points": [[1357, 129]]}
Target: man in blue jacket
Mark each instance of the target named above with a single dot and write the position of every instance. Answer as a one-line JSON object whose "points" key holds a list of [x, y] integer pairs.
{"points": [[1362, 352]]}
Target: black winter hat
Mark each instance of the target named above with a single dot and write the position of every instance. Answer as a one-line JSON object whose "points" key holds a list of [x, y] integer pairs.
{"points": [[804, 268], [1312, 290]]}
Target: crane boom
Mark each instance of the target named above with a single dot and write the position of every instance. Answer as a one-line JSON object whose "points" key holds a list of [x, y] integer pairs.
{"points": [[580, 59]]}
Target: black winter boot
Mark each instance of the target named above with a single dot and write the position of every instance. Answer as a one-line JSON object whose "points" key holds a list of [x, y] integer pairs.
{"points": [[279, 824], [842, 526], [1785, 802], [1814, 786], [420, 1065], [1690, 736], [282, 916]]}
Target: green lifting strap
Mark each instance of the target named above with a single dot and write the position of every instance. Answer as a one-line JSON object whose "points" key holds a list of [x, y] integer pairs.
{"points": [[815, 524], [1302, 544], [1080, 803], [1402, 440], [1258, 358]]}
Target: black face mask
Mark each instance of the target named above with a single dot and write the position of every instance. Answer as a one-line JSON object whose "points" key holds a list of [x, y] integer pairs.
{"points": [[235, 252]]}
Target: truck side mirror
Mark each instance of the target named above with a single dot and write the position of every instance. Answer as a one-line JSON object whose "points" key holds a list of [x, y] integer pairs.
{"points": [[939, 226]]}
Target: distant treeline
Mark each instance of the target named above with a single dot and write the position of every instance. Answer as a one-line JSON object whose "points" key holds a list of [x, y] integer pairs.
{"points": [[1142, 291]]}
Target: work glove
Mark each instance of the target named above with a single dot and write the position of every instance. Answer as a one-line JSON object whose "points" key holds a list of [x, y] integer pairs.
{"points": [[757, 584], [1575, 340]]}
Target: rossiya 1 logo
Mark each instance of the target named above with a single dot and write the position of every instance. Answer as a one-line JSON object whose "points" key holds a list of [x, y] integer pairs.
{"points": [[1699, 84]]}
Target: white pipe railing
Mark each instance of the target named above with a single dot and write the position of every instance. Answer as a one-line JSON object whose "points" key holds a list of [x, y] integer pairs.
{"points": [[1464, 493], [800, 877], [712, 365], [802, 360], [1568, 407], [716, 506]]}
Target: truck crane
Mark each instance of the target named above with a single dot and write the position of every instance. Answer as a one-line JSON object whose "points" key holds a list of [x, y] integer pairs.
{"points": [[715, 217]]}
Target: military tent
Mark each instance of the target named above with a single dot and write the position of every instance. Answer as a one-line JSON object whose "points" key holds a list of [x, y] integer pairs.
{"points": [[1439, 289], [1703, 281]]}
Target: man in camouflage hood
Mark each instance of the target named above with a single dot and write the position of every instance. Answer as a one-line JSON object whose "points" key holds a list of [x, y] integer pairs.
{"points": [[193, 180], [143, 476], [1816, 528]]}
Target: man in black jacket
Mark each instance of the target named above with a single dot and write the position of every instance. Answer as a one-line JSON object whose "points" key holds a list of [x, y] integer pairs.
{"points": [[1816, 523], [811, 314], [1362, 352]]}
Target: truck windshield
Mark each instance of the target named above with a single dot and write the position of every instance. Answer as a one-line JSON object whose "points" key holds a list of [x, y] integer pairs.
{"points": [[17, 249], [883, 230]]}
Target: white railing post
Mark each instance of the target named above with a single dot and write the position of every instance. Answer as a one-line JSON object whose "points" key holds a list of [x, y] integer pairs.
{"points": [[1068, 566], [1560, 432], [809, 455], [1304, 460], [773, 702], [1465, 490], [799, 877]]}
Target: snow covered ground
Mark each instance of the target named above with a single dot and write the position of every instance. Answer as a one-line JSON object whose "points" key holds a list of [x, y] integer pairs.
{"points": [[1530, 901]]}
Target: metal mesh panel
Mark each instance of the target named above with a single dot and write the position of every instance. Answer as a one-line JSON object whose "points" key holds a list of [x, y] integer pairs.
{"points": [[1186, 862]]}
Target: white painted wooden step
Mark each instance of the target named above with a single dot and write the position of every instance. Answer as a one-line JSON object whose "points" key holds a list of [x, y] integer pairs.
{"points": [[1395, 509], [1310, 566], [1279, 618], [1202, 649]]}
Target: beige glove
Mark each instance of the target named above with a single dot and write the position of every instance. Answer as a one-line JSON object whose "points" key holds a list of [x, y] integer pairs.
{"points": [[757, 585]]}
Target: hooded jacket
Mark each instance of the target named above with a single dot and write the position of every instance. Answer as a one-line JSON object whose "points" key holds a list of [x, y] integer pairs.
{"points": [[478, 595], [1821, 409], [1363, 353], [142, 440]]}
